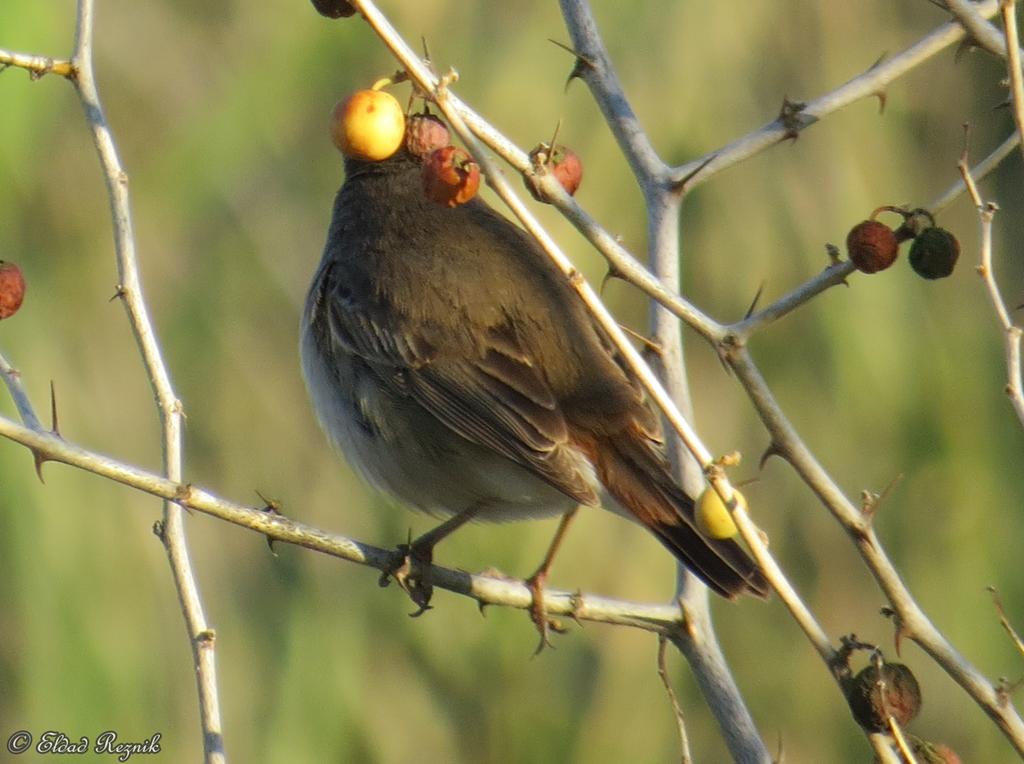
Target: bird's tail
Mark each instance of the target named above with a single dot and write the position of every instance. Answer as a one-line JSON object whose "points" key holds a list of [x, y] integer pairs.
{"points": [[639, 479]]}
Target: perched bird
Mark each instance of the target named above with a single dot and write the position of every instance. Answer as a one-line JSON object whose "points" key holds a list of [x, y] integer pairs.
{"points": [[454, 366]]}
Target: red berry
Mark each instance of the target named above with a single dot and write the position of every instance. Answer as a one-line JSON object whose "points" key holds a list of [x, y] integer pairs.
{"points": [[334, 9], [12, 289], [567, 167], [450, 176], [872, 246], [560, 161], [425, 133]]}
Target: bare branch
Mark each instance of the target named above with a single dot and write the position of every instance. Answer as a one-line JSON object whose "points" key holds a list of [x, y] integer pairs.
{"points": [[1005, 621], [865, 85], [973, 18], [37, 66], [485, 589], [130, 291], [979, 171], [1011, 332], [684, 741], [912, 620], [598, 72], [1009, 12]]}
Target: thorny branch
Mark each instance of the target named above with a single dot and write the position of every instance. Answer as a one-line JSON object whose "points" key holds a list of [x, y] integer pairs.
{"points": [[485, 589], [659, 179], [79, 70], [732, 346], [1011, 332]]}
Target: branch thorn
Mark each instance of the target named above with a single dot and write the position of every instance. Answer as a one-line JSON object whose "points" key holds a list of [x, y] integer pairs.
{"points": [[271, 507], [772, 450], [580, 67], [54, 427], [757, 299], [793, 119]]}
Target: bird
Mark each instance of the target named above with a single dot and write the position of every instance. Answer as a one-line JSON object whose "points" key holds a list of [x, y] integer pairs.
{"points": [[454, 366]]}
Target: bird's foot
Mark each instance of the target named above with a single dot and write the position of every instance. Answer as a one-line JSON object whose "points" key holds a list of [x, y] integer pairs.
{"points": [[538, 613], [413, 574]]}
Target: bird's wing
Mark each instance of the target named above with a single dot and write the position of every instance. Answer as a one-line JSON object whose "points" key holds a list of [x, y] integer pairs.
{"points": [[491, 393]]}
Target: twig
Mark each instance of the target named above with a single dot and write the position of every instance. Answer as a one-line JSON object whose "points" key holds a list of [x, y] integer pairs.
{"points": [[1005, 621], [973, 18], [623, 263], [881, 744], [12, 378], [913, 621], [897, 733], [170, 410], [698, 642], [599, 74], [37, 66], [864, 85], [1011, 332], [677, 711], [980, 170], [485, 589], [446, 102], [837, 273], [833, 275], [1008, 8]]}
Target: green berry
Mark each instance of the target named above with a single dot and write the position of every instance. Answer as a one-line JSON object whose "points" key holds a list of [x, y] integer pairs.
{"points": [[934, 253]]}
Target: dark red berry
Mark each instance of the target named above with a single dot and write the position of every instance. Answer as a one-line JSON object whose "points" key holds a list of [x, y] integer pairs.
{"points": [[450, 176], [934, 253], [872, 246], [12, 289], [425, 133], [334, 9], [877, 693]]}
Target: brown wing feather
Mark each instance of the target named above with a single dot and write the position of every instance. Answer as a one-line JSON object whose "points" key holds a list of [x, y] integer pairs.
{"points": [[637, 475], [494, 396]]}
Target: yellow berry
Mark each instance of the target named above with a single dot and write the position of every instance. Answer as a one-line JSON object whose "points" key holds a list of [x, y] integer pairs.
{"points": [[713, 518], [368, 125]]}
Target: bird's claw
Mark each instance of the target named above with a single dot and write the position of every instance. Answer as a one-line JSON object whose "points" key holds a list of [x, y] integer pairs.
{"points": [[544, 623], [413, 575]]}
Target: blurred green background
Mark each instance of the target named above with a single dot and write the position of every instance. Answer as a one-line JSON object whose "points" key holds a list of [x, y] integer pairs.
{"points": [[220, 111]]}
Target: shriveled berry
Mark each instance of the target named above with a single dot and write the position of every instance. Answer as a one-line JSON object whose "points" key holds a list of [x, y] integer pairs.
{"points": [[872, 246], [934, 253], [425, 133], [334, 9], [368, 125], [875, 694], [12, 289], [450, 176]]}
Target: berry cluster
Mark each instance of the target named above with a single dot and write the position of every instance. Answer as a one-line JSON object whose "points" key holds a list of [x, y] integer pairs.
{"points": [[873, 246], [370, 125]]}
